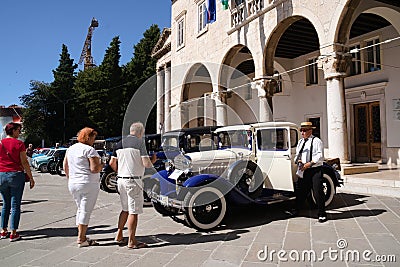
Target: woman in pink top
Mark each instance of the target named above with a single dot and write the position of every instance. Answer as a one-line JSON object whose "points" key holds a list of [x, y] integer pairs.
{"points": [[13, 163]]}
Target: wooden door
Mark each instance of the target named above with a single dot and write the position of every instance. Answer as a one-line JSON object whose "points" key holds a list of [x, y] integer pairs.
{"points": [[367, 132]]}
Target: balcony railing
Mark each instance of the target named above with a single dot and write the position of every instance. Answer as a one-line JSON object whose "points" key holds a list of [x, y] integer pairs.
{"points": [[245, 10]]}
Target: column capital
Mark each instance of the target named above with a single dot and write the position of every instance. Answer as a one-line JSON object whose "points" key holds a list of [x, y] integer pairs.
{"points": [[222, 95], [334, 65], [265, 86]]}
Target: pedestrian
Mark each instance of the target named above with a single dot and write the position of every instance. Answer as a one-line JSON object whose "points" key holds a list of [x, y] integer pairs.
{"points": [[13, 163], [309, 159], [129, 160], [82, 166], [29, 153]]}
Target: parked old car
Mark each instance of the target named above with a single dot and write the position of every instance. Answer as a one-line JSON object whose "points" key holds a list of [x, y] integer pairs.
{"points": [[40, 163], [167, 147], [252, 163], [109, 177]]}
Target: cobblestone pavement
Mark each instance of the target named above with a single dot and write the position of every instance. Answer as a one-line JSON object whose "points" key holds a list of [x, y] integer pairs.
{"points": [[367, 226]]}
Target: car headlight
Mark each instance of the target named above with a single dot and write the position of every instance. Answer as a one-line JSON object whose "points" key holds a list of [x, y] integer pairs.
{"points": [[183, 163], [169, 165]]}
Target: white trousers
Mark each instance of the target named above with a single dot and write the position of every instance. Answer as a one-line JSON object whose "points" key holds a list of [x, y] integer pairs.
{"points": [[85, 196]]}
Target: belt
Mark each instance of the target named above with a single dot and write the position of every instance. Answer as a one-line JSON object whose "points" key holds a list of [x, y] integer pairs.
{"points": [[130, 177]]}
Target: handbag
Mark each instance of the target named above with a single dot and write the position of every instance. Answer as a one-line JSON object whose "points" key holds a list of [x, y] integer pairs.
{"points": [[27, 179]]}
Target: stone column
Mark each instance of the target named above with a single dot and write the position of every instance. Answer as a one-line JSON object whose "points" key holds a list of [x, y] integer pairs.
{"points": [[334, 67], [167, 97], [265, 88], [220, 107], [160, 100]]}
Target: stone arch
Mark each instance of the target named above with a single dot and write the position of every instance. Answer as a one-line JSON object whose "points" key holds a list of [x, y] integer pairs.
{"points": [[236, 73], [279, 31], [196, 86]]}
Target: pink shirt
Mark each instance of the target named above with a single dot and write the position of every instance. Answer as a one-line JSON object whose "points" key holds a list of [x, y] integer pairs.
{"points": [[14, 148]]}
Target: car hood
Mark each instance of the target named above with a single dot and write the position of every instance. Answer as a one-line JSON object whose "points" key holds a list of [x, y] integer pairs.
{"points": [[224, 157]]}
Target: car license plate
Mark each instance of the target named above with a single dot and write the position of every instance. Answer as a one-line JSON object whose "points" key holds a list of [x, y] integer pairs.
{"points": [[163, 200], [175, 175]]}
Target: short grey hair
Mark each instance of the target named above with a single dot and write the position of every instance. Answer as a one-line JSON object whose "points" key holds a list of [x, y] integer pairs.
{"points": [[136, 128]]}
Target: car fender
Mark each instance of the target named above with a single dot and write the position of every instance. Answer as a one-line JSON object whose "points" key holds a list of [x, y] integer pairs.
{"points": [[166, 184], [332, 173]]}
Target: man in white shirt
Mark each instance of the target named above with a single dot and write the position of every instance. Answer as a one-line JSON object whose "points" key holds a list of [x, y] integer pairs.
{"points": [[309, 159], [129, 160]]}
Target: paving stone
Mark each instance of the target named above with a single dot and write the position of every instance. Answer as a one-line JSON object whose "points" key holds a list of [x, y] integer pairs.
{"points": [[189, 257], [230, 254]]}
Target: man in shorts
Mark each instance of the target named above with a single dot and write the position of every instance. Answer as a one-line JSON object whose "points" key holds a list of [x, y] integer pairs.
{"points": [[129, 160]]}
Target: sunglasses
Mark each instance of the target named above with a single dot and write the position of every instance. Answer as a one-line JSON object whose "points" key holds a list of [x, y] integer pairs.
{"points": [[304, 130]]}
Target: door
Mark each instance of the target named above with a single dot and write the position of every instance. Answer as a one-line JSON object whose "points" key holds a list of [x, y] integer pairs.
{"points": [[367, 132], [275, 154]]}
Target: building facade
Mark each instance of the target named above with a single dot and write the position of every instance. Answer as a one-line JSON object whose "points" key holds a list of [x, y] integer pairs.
{"points": [[334, 63]]}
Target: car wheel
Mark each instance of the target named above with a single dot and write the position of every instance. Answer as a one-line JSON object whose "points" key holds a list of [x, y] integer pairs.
{"points": [[157, 206], [247, 177], [205, 208], [51, 167], [109, 182], [328, 188], [43, 168], [59, 168]]}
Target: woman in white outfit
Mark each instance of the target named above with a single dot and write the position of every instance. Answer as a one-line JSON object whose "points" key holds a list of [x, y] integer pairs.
{"points": [[82, 165]]}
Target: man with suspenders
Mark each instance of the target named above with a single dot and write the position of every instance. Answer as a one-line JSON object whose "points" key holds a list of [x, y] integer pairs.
{"points": [[309, 158]]}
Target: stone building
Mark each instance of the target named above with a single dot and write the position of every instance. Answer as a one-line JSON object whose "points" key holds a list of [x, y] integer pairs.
{"points": [[335, 63]]}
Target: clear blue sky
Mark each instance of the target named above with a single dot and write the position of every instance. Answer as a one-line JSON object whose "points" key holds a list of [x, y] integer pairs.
{"points": [[32, 34]]}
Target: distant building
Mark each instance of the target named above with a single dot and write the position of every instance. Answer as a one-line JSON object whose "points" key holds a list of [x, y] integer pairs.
{"points": [[12, 113]]}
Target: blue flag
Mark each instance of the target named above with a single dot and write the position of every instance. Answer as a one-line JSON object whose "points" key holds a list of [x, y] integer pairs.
{"points": [[211, 11]]}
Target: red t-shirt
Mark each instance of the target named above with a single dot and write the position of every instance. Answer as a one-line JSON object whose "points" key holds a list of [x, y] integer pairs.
{"points": [[14, 147]]}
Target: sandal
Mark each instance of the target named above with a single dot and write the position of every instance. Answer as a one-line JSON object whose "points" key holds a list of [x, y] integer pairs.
{"points": [[88, 242], [120, 242], [138, 245]]}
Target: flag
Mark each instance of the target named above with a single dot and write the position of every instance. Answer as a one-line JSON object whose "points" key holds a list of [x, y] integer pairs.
{"points": [[211, 11], [225, 4]]}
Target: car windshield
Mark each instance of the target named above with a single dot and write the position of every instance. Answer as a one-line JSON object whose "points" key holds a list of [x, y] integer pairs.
{"points": [[234, 139], [171, 141], [51, 152]]}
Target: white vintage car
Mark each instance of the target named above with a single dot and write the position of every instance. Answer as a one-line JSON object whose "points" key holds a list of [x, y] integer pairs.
{"points": [[253, 163]]}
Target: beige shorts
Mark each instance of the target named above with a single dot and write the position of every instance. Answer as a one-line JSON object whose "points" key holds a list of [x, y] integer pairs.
{"points": [[131, 195]]}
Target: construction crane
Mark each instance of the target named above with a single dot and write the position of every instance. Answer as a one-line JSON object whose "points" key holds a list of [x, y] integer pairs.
{"points": [[86, 55]]}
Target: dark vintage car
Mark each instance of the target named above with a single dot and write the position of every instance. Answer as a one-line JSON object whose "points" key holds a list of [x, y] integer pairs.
{"points": [[109, 177], [166, 147], [252, 164]]}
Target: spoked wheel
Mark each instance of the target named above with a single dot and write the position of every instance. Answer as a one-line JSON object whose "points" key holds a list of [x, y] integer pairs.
{"points": [[205, 208], [248, 179], [328, 188], [109, 182]]}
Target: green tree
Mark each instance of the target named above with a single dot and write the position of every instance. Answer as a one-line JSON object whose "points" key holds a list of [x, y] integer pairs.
{"points": [[62, 98], [36, 113]]}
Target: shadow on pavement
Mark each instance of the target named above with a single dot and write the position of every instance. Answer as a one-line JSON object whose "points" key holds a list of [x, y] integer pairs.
{"points": [[63, 232]]}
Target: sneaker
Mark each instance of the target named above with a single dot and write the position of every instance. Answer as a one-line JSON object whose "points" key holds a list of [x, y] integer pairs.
{"points": [[322, 219], [4, 235], [14, 237]]}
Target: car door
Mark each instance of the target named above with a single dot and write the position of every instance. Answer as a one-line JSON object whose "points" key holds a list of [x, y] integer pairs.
{"points": [[275, 150]]}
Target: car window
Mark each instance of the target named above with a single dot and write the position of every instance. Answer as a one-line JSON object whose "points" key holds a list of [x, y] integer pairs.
{"points": [[294, 137], [234, 139], [170, 141], [272, 139]]}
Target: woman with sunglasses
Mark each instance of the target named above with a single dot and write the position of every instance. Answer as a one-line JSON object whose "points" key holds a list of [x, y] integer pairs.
{"points": [[13, 163]]}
